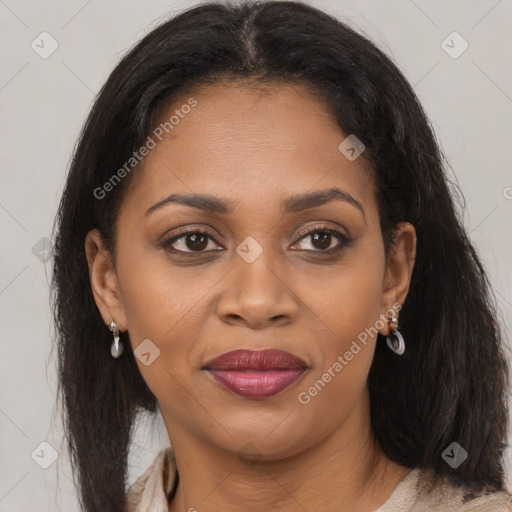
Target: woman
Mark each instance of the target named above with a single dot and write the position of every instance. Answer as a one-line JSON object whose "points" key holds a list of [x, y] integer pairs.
{"points": [[258, 240]]}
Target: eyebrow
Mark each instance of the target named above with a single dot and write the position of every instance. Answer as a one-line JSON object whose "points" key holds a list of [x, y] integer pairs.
{"points": [[292, 204]]}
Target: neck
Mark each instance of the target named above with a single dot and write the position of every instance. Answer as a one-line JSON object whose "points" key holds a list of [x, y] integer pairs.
{"points": [[346, 470]]}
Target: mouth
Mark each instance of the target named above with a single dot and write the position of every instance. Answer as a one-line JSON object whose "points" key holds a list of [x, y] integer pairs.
{"points": [[256, 374]]}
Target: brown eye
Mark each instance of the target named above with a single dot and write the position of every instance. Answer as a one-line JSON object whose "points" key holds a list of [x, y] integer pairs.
{"points": [[191, 241], [321, 240], [196, 242]]}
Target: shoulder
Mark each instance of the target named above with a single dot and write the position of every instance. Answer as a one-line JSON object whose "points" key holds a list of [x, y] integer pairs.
{"points": [[488, 502], [433, 492], [151, 489]]}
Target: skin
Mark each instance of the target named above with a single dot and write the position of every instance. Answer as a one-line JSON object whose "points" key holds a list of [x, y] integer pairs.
{"points": [[253, 148]]}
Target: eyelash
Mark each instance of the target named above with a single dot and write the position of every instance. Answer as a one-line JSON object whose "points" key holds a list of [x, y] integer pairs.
{"points": [[344, 240]]}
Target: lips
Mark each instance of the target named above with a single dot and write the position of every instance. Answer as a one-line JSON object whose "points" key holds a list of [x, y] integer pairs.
{"points": [[256, 373]]}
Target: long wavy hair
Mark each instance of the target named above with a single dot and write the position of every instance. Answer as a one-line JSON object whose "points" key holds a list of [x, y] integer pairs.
{"points": [[451, 383]]}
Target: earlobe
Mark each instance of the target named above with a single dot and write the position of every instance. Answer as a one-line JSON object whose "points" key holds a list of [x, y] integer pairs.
{"points": [[103, 280], [397, 277]]}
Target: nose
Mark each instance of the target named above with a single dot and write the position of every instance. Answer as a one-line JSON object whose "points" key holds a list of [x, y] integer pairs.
{"points": [[257, 296]]}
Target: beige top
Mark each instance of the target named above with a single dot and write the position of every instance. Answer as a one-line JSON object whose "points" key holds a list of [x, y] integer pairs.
{"points": [[149, 492]]}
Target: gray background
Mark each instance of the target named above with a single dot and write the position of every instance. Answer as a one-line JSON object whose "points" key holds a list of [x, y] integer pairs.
{"points": [[44, 103]]}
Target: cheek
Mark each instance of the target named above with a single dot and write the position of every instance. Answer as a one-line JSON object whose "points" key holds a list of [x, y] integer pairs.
{"points": [[167, 306], [158, 297], [346, 299], [346, 310]]}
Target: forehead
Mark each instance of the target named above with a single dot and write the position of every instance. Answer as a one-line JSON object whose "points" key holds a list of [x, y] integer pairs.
{"points": [[246, 141]]}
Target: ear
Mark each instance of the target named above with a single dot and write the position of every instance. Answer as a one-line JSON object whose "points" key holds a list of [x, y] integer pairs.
{"points": [[397, 276], [104, 284]]}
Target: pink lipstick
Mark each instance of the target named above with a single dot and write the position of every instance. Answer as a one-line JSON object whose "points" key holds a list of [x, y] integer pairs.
{"points": [[256, 373]]}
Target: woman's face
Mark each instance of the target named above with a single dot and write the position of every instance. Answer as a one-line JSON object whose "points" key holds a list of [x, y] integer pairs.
{"points": [[282, 250]]}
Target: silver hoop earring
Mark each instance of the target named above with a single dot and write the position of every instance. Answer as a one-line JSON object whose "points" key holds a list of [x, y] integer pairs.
{"points": [[116, 349], [395, 340]]}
